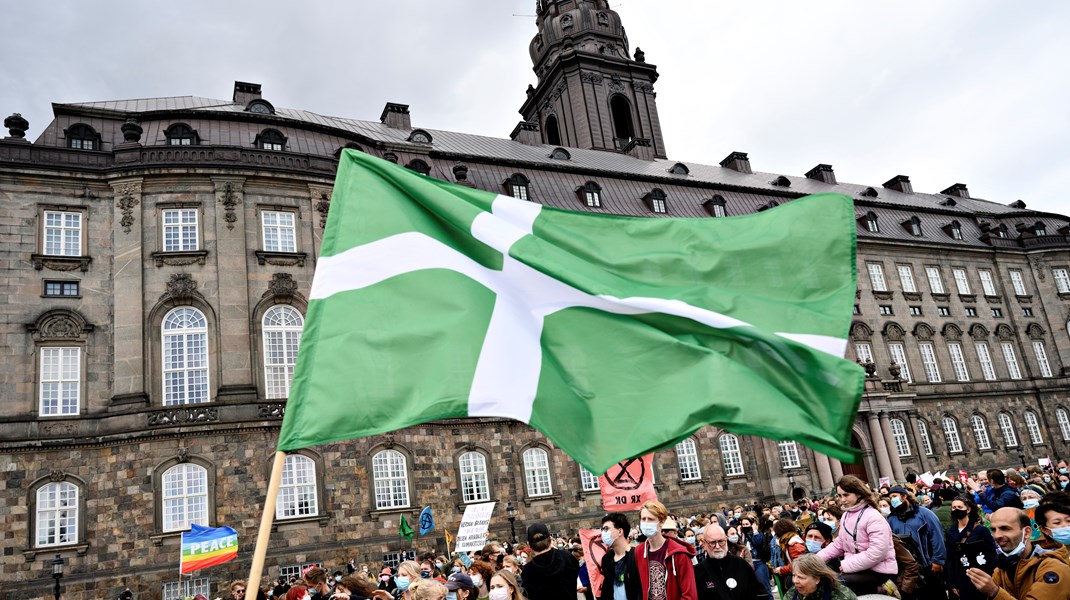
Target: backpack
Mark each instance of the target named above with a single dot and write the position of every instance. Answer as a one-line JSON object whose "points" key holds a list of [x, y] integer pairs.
{"points": [[907, 557]]}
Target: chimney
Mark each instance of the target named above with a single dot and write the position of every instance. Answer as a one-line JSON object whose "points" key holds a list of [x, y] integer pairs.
{"points": [[526, 132], [640, 148], [244, 93], [822, 173], [900, 183], [737, 161], [396, 116], [959, 189]]}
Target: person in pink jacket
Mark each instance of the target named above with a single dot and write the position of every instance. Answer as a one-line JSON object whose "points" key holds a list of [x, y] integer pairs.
{"points": [[864, 543]]}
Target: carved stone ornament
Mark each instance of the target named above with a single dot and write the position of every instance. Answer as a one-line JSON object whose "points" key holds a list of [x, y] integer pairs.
{"points": [[1034, 331], [181, 287], [389, 442], [615, 84], [131, 131], [894, 370], [591, 77], [1038, 268], [1004, 331], [128, 200], [16, 126], [603, 19], [282, 286], [566, 21], [183, 455], [643, 87], [56, 475], [181, 416], [271, 411], [59, 429], [978, 332], [871, 368], [923, 331], [640, 56], [323, 206], [952, 332], [61, 327], [229, 199], [860, 331], [893, 332]]}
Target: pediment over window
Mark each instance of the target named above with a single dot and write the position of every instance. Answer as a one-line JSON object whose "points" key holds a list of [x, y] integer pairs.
{"points": [[1004, 331], [978, 331], [1034, 331], [923, 331], [60, 324], [952, 332], [860, 331], [893, 331]]}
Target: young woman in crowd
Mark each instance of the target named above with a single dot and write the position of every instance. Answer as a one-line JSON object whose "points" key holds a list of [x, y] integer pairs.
{"points": [[427, 589], [966, 535], [460, 587], [812, 579], [831, 516], [481, 571], [791, 547], [865, 541], [503, 586], [408, 572]]}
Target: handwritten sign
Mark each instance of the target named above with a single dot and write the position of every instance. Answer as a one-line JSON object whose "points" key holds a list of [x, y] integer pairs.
{"points": [[628, 484], [472, 534]]}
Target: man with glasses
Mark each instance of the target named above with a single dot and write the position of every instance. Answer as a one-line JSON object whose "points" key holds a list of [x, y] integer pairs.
{"points": [[237, 590], [723, 576]]}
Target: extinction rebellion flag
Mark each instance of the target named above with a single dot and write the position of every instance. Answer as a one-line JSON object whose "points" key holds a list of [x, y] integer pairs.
{"points": [[613, 336], [207, 546]]}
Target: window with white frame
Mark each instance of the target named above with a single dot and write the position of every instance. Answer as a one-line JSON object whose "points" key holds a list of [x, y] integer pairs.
{"points": [[687, 457], [186, 588], [537, 472], [180, 232], [185, 357], [57, 514], [906, 278], [1062, 280], [789, 455], [899, 355], [282, 326], [60, 388], [1042, 359], [876, 277], [926, 441], [1010, 437], [863, 352], [928, 361], [1063, 418], [899, 436], [958, 361], [185, 496], [980, 431], [297, 492], [279, 230], [987, 285], [936, 284], [731, 456], [951, 434], [588, 480], [985, 358], [1032, 426], [1018, 283], [718, 210], [474, 484], [961, 282], [390, 472], [62, 233], [1012, 360]]}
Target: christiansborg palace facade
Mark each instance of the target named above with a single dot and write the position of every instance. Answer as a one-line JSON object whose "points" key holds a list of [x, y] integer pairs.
{"points": [[158, 253]]}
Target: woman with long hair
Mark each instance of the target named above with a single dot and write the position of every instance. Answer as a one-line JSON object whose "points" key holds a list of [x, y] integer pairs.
{"points": [[503, 586], [864, 542], [408, 573], [967, 536], [812, 579]]}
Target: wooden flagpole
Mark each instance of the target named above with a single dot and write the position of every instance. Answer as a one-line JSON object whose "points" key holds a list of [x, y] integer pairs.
{"points": [[252, 586]]}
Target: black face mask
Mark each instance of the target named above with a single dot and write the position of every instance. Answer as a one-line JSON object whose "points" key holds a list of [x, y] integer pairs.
{"points": [[746, 530], [959, 515]]}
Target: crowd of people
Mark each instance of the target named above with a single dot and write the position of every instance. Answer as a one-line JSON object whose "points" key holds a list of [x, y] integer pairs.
{"points": [[998, 535]]}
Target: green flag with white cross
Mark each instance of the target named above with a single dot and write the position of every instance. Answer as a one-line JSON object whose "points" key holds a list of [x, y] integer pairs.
{"points": [[613, 336]]}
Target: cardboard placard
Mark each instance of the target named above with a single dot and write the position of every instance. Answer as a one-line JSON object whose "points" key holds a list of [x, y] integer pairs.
{"points": [[628, 484], [593, 551], [472, 534]]}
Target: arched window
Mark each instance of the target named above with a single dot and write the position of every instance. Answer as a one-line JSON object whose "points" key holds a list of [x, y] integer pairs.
{"points": [[951, 434], [623, 129], [391, 475], [588, 480], [185, 357], [419, 166], [57, 514], [716, 206], [1032, 425], [180, 134], [517, 186], [82, 137], [899, 436], [687, 457], [282, 335], [1064, 422], [474, 484], [789, 455], [185, 496], [297, 493], [270, 139], [926, 441], [537, 472], [656, 201], [730, 455], [553, 134], [1010, 437], [591, 193], [980, 431], [1039, 229], [871, 223]]}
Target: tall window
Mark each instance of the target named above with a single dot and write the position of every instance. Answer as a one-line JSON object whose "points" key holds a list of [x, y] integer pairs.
{"points": [[915, 226], [1032, 425], [789, 455], [537, 472], [863, 352], [391, 475], [1018, 283], [269, 139], [956, 230], [961, 282], [1062, 280], [553, 134], [61, 380], [185, 496], [1012, 360], [899, 436], [297, 493], [926, 441], [987, 286], [185, 357], [951, 433], [985, 359], [622, 118], [687, 457], [282, 336], [180, 230], [876, 277], [906, 278], [936, 285], [63, 233], [958, 361], [1064, 422], [730, 455], [871, 223], [899, 355], [57, 514], [1010, 437], [592, 194], [1042, 359], [186, 588], [980, 431], [928, 360], [280, 233], [588, 480], [474, 484]]}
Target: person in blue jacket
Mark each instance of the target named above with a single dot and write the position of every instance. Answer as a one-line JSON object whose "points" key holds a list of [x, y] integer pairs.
{"points": [[909, 519], [998, 495]]}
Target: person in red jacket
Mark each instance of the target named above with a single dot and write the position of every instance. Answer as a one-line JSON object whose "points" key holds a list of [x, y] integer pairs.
{"points": [[664, 564]]}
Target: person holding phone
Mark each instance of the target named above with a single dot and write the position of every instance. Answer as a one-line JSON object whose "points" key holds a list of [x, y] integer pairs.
{"points": [[969, 544]]}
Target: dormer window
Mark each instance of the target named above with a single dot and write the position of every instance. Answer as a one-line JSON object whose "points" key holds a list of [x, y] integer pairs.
{"points": [[869, 192], [180, 134], [870, 221], [768, 205], [82, 137], [716, 206], [913, 226], [260, 107], [1001, 231], [270, 139], [679, 169], [655, 200], [420, 136], [956, 230], [419, 166], [781, 181], [1039, 229], [517, 186], [349, 145], [560, 154], [591, 193]]}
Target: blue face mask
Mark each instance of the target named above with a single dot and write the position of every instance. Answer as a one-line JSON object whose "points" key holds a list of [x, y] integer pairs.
{"points": [[813, 546], [1063, 471], [451, 595], [402, 582], [831, 524], [1061, 535], [1030, 503], [895, 501], [1015, 552], [649, 529], [1063, 484], [607, 538]]}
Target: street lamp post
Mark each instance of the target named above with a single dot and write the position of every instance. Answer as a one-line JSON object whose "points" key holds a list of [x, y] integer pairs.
{"points": [[791, 485], [1021, 456], [57, 573], [510, 509]]}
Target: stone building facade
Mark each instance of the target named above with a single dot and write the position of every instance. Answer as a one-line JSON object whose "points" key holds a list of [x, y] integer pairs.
{"points": [[158, 254]]}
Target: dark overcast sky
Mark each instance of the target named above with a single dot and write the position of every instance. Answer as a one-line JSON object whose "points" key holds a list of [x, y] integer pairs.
{"points": [[970, 91]]}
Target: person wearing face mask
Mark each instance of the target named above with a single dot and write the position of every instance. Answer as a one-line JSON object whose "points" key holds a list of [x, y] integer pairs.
{"points": [[884, 507], [620, 579], [909, 519], [316, 578], [1053, 517], [968, 542], [503, 586], [736, 545], [1031, 495], [408, 572], [1025, 569], [865, 542], [664, 564], [722, 575], [551, 573], [461, 587], [757, 541], [481, 571], [831, 516]]}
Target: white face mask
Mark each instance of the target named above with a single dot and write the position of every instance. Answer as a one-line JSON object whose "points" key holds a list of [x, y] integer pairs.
{"points": [[477, 580], [499, 594]]}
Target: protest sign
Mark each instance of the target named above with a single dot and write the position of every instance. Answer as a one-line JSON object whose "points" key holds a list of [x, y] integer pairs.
{"points": [[593, 551], [885, 481], [628, 484], [472, 534]]}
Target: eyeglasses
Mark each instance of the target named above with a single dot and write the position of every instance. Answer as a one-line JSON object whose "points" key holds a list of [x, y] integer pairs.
{"points": [[239, 591], [723, 542]]}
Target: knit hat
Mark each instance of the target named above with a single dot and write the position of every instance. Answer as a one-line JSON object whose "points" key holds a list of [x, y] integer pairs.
{"points": [[824, 530], [1032, 487], [899, 490]]}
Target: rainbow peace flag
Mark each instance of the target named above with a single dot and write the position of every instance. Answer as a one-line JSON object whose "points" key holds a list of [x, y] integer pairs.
{"points": [[207, 546]]}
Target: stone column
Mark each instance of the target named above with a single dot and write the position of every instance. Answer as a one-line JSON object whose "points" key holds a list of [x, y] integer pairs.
{"points": [[232, 275], [824, 471], [880, 447], [893, 452], [837, 470], [128, 359], [923, 459]]}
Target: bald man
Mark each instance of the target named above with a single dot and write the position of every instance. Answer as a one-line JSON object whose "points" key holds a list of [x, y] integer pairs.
{"points": [[1025, 570], [722, 575]]}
